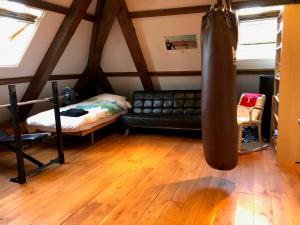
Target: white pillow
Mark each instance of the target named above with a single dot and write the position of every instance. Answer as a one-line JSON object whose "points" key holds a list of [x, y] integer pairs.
{"points": [[120, 100]]}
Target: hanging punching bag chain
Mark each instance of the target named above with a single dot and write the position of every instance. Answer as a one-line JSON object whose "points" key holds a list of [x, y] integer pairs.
{"points": [[215, 2], [224, 9]]}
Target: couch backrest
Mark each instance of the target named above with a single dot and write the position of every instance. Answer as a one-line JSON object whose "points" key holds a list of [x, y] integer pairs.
{"points": [[167, 102]]}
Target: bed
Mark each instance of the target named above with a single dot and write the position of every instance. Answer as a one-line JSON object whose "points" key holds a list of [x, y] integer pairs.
{"points": [[102, 110]]}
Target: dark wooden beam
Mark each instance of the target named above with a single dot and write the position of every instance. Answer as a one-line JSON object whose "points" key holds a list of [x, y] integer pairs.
{"points": [[19, 80], [55, 51], [101, 30], [65, 77], [189, 73], [255, 72], [16, 80], [121, 74], [88, 84], [205, 8], [105, 16], [273, 14], [51, 7], [262, 3], [134, 46]]}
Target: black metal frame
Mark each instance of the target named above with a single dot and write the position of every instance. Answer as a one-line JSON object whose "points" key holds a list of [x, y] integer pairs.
{"points": [[18, 146]]}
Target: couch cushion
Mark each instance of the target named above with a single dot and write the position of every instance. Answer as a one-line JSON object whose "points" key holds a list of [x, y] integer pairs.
{"points": [[167, 102], [162, 121]]}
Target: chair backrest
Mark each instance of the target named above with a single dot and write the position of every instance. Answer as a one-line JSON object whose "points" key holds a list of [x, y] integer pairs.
{"points": [[167, 102], [249, 100]]}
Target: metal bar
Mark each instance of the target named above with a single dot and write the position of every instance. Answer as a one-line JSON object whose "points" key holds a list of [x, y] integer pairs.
{"points": [[17, 135], [39, 169], [32, 101], [26, 156], [55, 104], [92, 138], [28, 102]]}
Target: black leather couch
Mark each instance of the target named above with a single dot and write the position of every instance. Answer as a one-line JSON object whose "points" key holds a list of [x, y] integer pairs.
{"points": [[164, 109]]}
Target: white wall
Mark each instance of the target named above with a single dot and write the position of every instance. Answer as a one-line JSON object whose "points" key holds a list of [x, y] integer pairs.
{"points": [[151, 32], [116, 56]]}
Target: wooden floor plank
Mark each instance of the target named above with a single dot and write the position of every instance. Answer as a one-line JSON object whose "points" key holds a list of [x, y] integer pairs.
{"points": [[92, 174], [149, 179], [263, 212], [135, 204], [224, 217], [185, 204], [177, 186], [244, 209], [105, 201]]}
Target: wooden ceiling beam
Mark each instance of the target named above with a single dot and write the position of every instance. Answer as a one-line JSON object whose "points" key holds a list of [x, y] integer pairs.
{"points": [[273, 14], [19, 80], [51, 7], [262, 3], [105, 16], [134, 46], [86, 88], [205, 8], [55, 51], [189, 73]]}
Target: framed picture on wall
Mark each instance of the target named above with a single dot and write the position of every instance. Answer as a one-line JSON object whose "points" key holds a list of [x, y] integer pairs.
{"points": [[180, 42]]}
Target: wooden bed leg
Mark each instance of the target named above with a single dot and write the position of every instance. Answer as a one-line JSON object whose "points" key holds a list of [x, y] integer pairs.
{"points": [[92, 138], [127, 131]]}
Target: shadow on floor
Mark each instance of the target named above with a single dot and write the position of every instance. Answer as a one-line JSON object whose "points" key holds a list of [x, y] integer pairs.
{"points": [[198, 199]]}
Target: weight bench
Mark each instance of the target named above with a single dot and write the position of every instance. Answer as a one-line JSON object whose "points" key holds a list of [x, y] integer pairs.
{"points": [[18, 141], [27, 139], [31, 138]]}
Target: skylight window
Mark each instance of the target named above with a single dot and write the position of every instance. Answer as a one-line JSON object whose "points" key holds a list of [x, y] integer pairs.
{"points": [[18, 24], [257, 34]]}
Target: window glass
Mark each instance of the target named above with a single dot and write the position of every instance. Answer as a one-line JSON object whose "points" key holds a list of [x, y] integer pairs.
{"points": [[16, 34], [257, 38]]}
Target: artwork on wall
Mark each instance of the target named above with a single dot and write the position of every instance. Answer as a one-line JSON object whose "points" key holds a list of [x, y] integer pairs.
{"points": [[180, 42]]}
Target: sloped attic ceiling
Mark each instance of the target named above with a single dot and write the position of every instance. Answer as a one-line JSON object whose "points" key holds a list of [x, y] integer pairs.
{"points": [[116, 55]]}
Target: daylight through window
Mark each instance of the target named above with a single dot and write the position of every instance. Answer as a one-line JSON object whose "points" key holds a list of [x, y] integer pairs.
{"points": [[18, 24], [257, 37]]}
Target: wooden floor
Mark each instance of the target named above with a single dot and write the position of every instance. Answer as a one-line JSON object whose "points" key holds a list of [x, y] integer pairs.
{"points": [[149, 179]]}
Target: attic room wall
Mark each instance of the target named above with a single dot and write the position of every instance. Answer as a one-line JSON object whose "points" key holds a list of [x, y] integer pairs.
{"points": [[151, 32], [73, 61]]}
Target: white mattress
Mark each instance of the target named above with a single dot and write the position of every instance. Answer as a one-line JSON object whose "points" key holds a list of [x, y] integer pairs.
{"points": [[45, 121], [34, 125]]}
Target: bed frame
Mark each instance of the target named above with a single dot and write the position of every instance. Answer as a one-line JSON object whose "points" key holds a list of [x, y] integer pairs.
{"points": [[92, 130]]}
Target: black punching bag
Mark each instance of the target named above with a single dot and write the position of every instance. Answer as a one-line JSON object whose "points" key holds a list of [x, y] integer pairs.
{"points": [[219, 100]]}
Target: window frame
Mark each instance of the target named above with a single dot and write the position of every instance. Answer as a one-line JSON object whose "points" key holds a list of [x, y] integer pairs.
{"points": [[32, 19], [255, 17]]}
